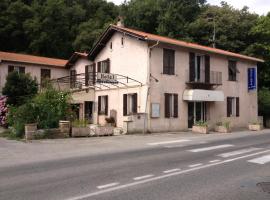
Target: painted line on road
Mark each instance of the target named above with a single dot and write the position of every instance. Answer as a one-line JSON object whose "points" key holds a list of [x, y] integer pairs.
{"points": [[167, 142], [171, 170], [81, 197], [107, 185], [261, 160], [195, 165], [211, 148], [213, 161], [143, 177], [239, 152]]}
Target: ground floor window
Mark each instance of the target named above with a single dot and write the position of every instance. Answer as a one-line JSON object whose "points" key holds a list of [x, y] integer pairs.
{"points": [[197, 111], [171, 105], [103, 105], [130, 104], [232, 106]]}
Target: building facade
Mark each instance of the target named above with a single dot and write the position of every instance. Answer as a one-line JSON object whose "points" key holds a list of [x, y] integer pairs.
{"points": [[41, 68], [151, 83]]}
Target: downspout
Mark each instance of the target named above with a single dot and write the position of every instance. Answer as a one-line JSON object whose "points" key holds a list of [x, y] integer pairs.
{"points": [[148, 84]]}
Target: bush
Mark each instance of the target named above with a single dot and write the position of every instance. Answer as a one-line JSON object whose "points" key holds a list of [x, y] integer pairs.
{"points": [[264, 102], [3, 111], [19, 88], [201, 123], [79, 123]]}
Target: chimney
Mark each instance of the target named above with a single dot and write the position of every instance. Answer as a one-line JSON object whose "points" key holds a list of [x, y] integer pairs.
{"points": [[120, 22]]}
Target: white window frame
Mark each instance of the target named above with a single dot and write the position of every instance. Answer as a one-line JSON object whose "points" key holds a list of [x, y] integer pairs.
{"points": [[130, 103], [102, 104]]}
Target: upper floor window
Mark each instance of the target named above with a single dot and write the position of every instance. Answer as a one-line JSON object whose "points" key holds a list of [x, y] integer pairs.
{"points": [[122, 41], [171, 105], [111, 45], [73, 78], [103, 105], [104, 66], [45, 74], [232, 106], [130, 104], [232, 70], [19, 69], [168, 61]]}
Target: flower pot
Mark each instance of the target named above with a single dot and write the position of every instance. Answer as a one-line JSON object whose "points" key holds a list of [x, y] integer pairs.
{"points": [[255, 127], [30, 130], [200, 129], [80, 131], [64, 127], [222, 129]]}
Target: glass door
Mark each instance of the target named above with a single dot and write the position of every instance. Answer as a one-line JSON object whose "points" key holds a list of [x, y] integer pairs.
{"points": [[196, 112]]}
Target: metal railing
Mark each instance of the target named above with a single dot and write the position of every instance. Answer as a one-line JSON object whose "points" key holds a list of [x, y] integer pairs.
{"points": [[213, 78]]}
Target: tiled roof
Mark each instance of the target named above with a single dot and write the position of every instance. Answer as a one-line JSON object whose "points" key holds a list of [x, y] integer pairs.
{"points": [[148, 36], [75, 57], [16, 57]]}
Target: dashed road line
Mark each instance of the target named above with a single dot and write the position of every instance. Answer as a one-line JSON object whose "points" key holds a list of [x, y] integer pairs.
{"points": [[238, 152], [107, 185], [195, 165], [167, 142], [171, 170], [213, 161], [143, 177], [261, 160], [210, 148], [119, 187]]}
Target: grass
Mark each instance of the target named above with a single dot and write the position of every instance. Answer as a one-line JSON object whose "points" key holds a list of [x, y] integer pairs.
{"points": [[9, 135]]}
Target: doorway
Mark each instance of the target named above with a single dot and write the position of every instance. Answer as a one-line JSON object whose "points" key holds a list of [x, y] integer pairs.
{"points": [[196, 112], [88, 111]]}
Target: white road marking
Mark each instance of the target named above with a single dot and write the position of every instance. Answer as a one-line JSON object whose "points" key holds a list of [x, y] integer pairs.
{"points": [[119, 187], [107, 185], [171, 170], [195, 165], [211, 148], [174, 146], [167, 142], [213, 161], [143, 177], [261, 160], [238, 152]]}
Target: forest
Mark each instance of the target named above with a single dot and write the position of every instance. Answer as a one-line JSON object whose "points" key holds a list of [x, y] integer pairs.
{"points": [[56, 28]]}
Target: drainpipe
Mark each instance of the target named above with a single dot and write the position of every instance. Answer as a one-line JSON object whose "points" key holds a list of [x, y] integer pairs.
{"points": [[148, 83]]}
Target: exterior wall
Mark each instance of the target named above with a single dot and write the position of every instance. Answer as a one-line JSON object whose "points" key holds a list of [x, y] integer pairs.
{"points": [[80, 64], [217, 111], [32, 69]]}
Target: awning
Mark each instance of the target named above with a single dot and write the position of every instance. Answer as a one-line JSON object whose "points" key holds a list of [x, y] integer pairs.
{"points": [[203, 95]]}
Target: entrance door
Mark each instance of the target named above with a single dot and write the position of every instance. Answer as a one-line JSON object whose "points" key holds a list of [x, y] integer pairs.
{"points": [[88, 111], [196, 112]]}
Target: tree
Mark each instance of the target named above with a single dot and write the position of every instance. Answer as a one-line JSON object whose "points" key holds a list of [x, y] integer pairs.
{"points": [[19, 88]]}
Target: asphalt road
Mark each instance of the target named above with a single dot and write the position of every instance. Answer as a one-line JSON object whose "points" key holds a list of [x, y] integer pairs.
{"points": [[169, 170]]}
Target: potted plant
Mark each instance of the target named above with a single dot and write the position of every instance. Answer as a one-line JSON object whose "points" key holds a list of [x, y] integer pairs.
{"points": [[200, 127], [110, 121], [255, 126], [223, 127], [80, 128]]}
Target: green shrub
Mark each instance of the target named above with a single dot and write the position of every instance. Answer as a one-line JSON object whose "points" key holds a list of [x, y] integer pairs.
{"points": [[79, 123], [201, 123]]}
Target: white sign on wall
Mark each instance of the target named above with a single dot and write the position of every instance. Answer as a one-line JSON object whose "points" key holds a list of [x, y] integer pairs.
{"points": [[106, 78], [155, 110]]}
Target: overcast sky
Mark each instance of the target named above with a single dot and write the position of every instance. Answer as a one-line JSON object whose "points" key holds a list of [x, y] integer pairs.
{"points": [[259, 6]]}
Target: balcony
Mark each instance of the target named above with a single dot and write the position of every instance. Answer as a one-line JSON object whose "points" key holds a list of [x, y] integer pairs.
{"points": [[200, 79]]}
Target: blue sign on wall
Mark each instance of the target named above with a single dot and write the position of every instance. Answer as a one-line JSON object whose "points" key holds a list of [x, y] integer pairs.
{"points": [[252, 79]]}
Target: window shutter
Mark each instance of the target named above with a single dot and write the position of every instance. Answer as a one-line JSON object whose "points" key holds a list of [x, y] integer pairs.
{"points": [[108, 66], [10, 68], [99, 67], [172, 62], [86, 75], [165, 62], [229, 106], [237, 107], [167, 105], [106, 105], [99, 104], [191, 67], [94, 73], [22, 70], [207, 68], [175, 104], [135, 104], [125, 104]]}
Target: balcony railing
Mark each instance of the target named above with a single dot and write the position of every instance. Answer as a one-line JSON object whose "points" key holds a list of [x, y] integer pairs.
{"points": [[213, 78]]}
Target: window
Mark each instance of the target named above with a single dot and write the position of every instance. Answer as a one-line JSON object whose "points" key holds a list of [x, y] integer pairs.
{"points": [[232, 106], [171, 105], [168, 61], [19, 69], [103, 105], [73, 78], [232, 70], [122, 41], [45, 74], [104, 66], [130, 104], [111, 46]]}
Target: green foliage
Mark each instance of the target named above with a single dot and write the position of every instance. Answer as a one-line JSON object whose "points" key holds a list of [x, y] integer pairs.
{"points": [[225, 124], [79, 123], [264, 102], [19, 88], [201, 123]]}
